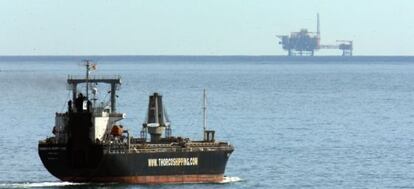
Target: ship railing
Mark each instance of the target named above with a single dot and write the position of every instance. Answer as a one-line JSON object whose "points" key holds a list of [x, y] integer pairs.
{"points": [[179, 149], [140, 144], [153, 148], [117, 148], [175, 149]]}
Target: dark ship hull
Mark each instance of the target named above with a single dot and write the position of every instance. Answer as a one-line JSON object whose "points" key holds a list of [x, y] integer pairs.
{"points": [[100, 164], [90, 144]]}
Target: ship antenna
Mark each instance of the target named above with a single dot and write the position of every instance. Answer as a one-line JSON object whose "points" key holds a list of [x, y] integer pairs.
{"points": [[204, 111], [87, 64], [89, 67]]}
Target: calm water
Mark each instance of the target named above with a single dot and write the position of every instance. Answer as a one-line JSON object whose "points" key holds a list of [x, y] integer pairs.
{"points": [[294, 125]]}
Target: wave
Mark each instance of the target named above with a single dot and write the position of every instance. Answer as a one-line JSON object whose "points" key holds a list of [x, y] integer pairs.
{"points": [[228, 179], [38, 184]]}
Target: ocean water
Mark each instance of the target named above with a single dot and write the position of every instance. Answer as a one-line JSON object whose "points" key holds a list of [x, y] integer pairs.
{"points": [[294, 125]]}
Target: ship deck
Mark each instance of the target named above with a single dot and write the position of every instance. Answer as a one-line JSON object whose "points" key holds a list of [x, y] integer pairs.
{"points": [[194, 146]]}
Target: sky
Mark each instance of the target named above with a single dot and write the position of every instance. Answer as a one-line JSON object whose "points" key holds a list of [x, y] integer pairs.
{"points": [[200, 27]]}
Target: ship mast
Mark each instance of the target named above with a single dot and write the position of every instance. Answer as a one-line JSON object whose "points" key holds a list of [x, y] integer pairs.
{"points": [[204, 112], [208, 135]]}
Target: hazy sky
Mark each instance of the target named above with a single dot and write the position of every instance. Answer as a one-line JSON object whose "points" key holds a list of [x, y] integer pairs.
{"points": [[199, 27]]}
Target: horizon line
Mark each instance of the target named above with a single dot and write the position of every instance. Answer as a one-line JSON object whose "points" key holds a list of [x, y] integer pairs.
{"points": [[183, 55], [205, 58]]}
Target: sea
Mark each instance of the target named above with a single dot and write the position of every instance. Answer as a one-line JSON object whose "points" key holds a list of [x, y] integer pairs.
{"points": [[328, 123]]}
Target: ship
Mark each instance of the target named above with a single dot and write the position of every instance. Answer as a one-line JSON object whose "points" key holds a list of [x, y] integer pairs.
{"points": [[89, 144]]}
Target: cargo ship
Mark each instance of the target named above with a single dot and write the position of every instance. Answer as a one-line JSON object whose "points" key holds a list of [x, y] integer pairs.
{"points": [[89, 143]]}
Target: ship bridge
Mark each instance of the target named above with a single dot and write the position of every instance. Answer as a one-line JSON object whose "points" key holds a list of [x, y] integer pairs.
{"points": [[113, 81]]}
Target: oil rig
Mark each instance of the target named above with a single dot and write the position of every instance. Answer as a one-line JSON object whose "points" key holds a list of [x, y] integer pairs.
{"points": [[305, 43]]}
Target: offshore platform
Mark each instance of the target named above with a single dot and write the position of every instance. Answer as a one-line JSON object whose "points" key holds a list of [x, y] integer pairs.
{"points": [[305, 43]]}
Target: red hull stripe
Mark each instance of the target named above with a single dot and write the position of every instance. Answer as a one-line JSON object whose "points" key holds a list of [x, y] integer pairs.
{"points": [[151, 179]]}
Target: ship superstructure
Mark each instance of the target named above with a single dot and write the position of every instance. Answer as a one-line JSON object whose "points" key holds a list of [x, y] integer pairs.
{"points": [[91, 145]]}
